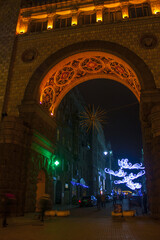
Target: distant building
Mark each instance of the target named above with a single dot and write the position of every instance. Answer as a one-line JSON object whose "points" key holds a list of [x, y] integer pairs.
{"points": [[82, 162]]}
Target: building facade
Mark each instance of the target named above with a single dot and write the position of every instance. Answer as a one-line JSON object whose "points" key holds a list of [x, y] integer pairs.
{"points": [[79, 152], [47, 48], [71, 151]]}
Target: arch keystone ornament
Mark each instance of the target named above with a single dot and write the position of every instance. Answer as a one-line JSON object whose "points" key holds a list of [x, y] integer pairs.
{"points": [[82, 67]]}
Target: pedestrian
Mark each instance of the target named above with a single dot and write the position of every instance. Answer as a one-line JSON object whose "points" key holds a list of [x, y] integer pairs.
{"points": [[99, 201], [114, 198], [7, 201], [44, 204], [121, 197], [129, 201], [103, 200], [145, 210]]}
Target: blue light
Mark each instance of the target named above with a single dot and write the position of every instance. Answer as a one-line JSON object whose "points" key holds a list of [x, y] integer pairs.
{"points": [[79, 184], [127, 179]]}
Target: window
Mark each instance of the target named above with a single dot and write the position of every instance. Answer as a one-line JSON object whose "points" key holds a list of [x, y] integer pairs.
{"points": [[63, 22], [87, 19], [112, 15], [139, 10], [38, 26]]}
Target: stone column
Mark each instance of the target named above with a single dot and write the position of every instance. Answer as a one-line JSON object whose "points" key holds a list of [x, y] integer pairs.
{"points": [[125, 13], [150, 120], [155, 126], [14, 143]]}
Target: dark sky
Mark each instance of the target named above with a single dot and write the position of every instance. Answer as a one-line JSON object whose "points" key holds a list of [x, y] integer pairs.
{"points": [[123, 128]]}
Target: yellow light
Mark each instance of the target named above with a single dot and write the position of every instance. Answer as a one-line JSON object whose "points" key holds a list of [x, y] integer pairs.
{"points": [[157, 12], [125, 16], [99, 20], [22, 31], [74, 20], [125, 13], [49, 27], [99, 16], [50, 23]]}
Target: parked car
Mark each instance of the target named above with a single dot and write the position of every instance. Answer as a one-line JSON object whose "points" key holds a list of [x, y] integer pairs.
{"points": [[88, 201]]}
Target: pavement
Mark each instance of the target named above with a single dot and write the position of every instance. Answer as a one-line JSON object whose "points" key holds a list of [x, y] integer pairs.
{"points": [[83, 224]]}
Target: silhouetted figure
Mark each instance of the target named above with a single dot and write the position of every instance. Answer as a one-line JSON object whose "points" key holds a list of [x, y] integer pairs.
{"points": [[99, 201], [145, 203], [7, 201], [103, 200], [44, 204], [121, 198], [114, 198]]}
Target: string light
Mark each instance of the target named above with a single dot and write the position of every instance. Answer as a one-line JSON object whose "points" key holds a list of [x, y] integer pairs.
{"points": [[79, 184]]}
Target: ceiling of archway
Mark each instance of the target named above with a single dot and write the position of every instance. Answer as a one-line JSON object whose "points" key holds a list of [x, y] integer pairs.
{"points": [[82, 67]]}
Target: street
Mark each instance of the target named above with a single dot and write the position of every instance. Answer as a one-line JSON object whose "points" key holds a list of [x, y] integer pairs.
{"points": [[83, 223]]}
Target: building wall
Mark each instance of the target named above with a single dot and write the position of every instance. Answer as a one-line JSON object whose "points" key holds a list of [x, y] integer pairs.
{"points": [[126, 33], [21, 57], [9, 12]]}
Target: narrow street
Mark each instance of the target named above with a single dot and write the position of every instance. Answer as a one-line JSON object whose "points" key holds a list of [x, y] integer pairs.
{"points": [[83, 223]]}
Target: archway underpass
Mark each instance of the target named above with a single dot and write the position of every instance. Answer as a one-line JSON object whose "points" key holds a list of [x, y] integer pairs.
{"points": [[81, 62]]}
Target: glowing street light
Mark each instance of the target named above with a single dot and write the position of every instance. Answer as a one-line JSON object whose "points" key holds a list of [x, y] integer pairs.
{"points": [[105, 153], [56, 163]]}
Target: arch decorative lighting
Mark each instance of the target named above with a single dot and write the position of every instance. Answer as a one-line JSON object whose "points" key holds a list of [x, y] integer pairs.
{"points": [[82, 67]]}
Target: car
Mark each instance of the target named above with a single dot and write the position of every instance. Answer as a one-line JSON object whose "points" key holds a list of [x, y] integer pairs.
{"points": [[88, 201]]}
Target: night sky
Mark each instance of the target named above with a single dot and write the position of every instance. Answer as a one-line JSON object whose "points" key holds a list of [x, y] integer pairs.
{"points": [[123, 128]]}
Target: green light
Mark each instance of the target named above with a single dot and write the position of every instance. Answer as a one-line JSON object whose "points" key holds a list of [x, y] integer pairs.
{"points": [[56, 162]]}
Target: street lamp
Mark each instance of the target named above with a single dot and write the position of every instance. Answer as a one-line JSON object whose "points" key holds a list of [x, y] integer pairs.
{"points": [[56, 163], [105, 153]]}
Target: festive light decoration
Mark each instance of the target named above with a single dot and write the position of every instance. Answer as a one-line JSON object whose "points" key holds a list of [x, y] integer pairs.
{"points": [[91, 118], [119, 173], [133, 185], [79, 184], [124, 164]]}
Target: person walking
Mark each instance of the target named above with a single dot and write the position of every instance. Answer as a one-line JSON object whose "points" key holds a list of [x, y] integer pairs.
{"points": [[103, 200], [98, 201], [7, 201], [114, 198], [44, 204]]}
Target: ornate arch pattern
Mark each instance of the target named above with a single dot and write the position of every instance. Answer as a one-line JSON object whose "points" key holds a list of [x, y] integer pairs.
{"points": [[82, 67]]}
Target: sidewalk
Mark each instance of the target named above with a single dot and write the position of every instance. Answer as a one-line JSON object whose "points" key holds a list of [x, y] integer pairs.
{"points": [[83, 223]]}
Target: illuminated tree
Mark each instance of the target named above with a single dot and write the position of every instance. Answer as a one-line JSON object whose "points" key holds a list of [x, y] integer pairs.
{"points": [[127, 178]]}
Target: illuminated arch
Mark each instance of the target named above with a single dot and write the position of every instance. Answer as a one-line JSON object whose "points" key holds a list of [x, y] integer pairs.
{"points": [[85, 61], [82, 67]]}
